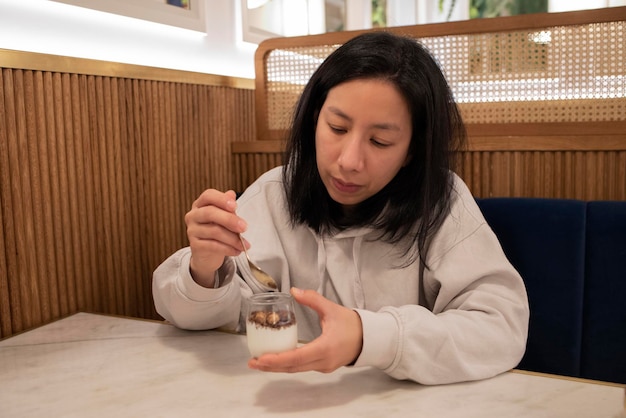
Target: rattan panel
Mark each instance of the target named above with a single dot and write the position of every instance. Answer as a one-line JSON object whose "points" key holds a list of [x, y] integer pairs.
{"points": [[553, 74], [287, 71]]}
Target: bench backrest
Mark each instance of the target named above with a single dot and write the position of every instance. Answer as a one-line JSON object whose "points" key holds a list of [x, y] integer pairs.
{"points": [[572, 257], [603, 353]]}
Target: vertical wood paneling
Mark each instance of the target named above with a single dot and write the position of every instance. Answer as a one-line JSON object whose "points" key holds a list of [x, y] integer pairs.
{"points": [[620, 174], [8, 298], [96, 174], [38, 186], [24, 230], [585, 175], [5, 301]]}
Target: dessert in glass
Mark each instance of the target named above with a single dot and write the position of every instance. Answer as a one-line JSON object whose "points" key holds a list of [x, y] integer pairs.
{"points": [[271, 323]]}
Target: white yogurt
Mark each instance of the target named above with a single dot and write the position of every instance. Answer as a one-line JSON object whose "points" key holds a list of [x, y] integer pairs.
{"points": [[263, 339]]}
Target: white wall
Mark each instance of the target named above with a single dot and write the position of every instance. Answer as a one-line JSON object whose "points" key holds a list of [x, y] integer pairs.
{"points": [[60, 29], [567, 5], [56, 28]]}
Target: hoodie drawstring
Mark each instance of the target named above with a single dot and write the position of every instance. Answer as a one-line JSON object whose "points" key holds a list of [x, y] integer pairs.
{"points": [[321, 266], [359, 297]]}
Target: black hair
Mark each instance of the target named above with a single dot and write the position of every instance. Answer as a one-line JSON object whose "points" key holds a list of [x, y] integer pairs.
{"points": [[414, 204]]}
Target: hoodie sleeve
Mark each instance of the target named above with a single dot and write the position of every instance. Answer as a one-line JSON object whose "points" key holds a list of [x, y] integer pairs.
{"points": [[187, 305], [474, 323]]}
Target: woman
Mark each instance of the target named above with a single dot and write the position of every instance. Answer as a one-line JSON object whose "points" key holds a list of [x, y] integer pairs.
{"points": [[381, 244]]}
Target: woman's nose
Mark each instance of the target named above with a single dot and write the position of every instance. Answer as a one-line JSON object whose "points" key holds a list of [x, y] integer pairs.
{"points": [[351, 157]]}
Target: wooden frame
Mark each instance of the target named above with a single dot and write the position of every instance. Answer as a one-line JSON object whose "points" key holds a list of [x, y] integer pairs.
{"points": [[250, 32], [193, 18], [474, 26], [255, 22]]}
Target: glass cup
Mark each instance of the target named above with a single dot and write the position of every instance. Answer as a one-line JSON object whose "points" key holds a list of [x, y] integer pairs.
{"points": [[271, 323]]}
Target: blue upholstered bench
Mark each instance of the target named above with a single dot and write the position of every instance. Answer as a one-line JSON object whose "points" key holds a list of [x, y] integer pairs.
{"points": [[572, 256]]}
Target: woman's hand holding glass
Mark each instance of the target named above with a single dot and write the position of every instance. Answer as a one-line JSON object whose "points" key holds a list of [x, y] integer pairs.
{"points": [[339, 344]]}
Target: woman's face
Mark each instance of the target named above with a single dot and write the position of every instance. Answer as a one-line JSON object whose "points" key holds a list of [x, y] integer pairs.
{"points": [[362, 139]]}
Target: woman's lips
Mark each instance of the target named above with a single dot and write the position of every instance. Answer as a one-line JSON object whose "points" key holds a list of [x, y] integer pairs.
{"points": [[345, 187]]}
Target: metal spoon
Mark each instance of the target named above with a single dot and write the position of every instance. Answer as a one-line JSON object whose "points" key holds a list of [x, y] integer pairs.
{"points": [[260, 275]]}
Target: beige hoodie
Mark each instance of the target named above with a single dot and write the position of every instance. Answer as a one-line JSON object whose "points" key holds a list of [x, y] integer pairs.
{"points": [[473, 323]]}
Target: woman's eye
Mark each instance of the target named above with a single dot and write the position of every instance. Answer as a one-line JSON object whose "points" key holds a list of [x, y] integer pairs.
{"points": [[379, 143], [337, 129]]}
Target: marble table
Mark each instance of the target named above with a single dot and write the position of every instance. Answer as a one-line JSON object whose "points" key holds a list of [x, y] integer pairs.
{"points": [[91, 365]]}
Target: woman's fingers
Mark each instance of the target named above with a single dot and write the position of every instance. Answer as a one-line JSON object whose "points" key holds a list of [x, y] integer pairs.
{"points": [[213, 230], [309, 357], [211, 197], [339, 345]]}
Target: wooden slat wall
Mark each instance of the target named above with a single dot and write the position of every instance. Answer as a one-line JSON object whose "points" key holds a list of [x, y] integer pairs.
{"points": [[580, 166], [251, 159], [96, 173], [584, 161], [584, 175]]}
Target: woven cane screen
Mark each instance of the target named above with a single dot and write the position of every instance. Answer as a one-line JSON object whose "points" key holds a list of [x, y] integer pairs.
{"points": [[554, 74]]}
